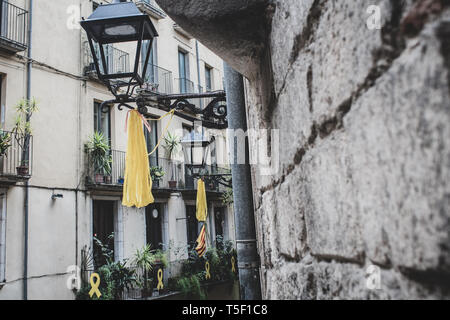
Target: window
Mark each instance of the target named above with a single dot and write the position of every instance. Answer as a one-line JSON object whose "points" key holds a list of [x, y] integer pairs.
{"points": [[151, 74], [102, 121], [2, 236], [154, 225], [192, 226], [219, 222], [4, 6], [213, 148], [103, 228], [183, 67], [152, 139], [208, 78]]}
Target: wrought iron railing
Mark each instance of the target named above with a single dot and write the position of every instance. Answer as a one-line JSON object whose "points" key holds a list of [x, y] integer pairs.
{"points": [[117, 61], [17, 160], [13, 25], [159, 79], [187, 86], [176, 175]]}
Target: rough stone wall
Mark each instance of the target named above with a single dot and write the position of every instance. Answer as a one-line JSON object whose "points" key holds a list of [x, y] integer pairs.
{"points": [[364, 154], [364, 120]]}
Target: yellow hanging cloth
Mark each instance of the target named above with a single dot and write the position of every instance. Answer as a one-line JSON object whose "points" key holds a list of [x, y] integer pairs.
{"points": [[201, 202], [138, 183]]}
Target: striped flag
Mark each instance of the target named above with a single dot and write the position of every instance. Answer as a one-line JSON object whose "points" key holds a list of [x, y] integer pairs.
{"points": [[201, 241]]}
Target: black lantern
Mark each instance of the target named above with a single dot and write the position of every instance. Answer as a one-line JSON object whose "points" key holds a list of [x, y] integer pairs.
{"points": [[119, 22], [195, 147]]}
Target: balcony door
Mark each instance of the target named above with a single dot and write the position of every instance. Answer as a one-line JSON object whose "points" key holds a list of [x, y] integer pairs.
{"points": [[191, 226], [154, 225], [103, 228], [102, 121], [151, 75], [152, 139], [4, 18], [183, 70]]}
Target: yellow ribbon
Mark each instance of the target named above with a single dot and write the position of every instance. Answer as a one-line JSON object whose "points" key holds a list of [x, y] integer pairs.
{"points": [[208, 274], [233, 264], [95, 285], [160, 280], [172, 113]]}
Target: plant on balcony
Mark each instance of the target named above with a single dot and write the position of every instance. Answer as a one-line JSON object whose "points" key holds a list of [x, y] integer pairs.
{"points": [[227, 197], [145, 261], [22, 132], [116, 276], [5, 144], [157, 173], [192, 280], [99, 156], [172, 145]]}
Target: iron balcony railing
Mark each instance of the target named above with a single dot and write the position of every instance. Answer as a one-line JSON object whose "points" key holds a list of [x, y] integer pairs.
{"points": [[16, 162], [117, 61], [13, 27], [159, 79], [176, 174], [187, 86]]}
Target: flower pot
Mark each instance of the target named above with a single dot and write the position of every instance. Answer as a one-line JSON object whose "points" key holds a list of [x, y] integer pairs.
{"points": [[23, 171], [172, 184], [99, 178], [156, 184], [108, 179], [121, 181]]}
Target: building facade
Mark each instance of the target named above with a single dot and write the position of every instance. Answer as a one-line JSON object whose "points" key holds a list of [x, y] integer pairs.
{"points": [[67, 203]]}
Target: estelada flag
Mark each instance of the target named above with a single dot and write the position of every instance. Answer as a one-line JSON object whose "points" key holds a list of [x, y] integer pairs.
{"points": [[201, 242]]}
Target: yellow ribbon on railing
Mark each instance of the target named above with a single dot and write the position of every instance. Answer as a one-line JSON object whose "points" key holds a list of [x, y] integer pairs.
{"points": [[208, 274], [95, 285], [233, 264], [160, 280]]}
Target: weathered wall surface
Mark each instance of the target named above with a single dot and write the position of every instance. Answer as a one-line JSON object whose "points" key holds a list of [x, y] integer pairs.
{"points": [[364, 120]]}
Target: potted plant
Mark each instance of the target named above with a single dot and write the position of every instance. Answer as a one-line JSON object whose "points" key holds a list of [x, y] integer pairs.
{"points": [[157, 173], [5, 144], [172, 144], [22, 132], [99, 156]]}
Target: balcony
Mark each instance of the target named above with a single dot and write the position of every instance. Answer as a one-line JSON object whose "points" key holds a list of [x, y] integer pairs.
{"points": [[176, 176], [151, 8], [158, 80], [184, 85], [117, 61], [17, 161], [13, 28]]}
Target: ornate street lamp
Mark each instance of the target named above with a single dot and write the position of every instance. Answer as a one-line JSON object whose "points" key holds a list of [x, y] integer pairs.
{"points": [[195, 147], [122, 22], [114, 23]]}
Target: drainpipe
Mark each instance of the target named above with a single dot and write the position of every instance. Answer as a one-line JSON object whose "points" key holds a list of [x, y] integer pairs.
{"points": [[248, 259], [26, 196], [198, 65]]}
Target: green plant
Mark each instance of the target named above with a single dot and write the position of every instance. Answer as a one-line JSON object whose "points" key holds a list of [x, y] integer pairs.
{"points": [[156, 173], [172, 144], [22, 128], [99, 153], [191, 287], [115, 276], [5, 143], [144, 261]]}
